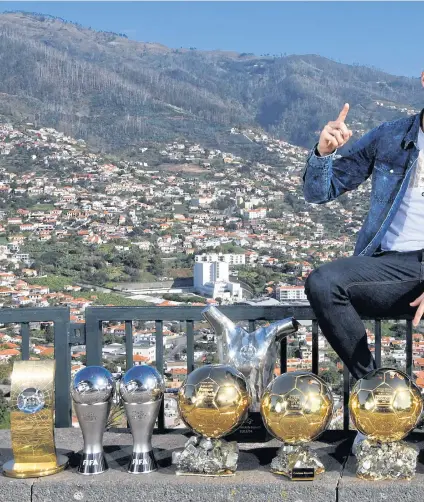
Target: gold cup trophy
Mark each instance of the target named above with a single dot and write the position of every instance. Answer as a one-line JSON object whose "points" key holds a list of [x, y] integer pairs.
{"points": [[385, 406], [213, 401], [32, 421], [296, 408]]}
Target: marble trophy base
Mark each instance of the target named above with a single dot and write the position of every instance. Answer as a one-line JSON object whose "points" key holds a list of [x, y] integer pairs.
{"points": [[12, 469], [378, 461], [297, 462], [207, 457]]}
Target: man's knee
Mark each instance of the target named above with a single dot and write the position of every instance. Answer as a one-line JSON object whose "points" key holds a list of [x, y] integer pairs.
{"points": [[321, 282], [313, 282]]}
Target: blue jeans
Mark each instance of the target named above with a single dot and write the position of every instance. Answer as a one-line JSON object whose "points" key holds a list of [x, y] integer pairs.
{"points": [[381, 285]]}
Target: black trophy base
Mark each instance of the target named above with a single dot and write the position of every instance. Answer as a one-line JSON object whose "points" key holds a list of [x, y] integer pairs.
{"points": [[251, 431], [142, 463], [92, 463]]}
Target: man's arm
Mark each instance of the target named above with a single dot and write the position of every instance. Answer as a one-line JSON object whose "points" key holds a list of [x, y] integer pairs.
{"points": [[326, 177]]}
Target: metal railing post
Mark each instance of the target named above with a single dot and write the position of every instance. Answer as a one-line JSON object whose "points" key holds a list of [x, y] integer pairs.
{"points": [[62, 355]]}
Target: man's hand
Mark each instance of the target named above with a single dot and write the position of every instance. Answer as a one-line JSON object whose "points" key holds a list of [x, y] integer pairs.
{"points": [[419, 302], [335, 134]]}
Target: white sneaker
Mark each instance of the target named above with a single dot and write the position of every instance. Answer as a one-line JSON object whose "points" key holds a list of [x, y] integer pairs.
{"points": [[358, 439]]}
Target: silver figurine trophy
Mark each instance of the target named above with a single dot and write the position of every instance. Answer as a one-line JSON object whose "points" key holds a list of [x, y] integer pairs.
{"points": [[142, 389], [253, 354], [92, 391]]}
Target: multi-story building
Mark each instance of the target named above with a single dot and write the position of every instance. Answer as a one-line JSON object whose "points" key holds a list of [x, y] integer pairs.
{"points": [[251, 257], [205, 272], [22, 257], [147, 351], [290, 293], [212, 279], [254, 214], [230, 258]]}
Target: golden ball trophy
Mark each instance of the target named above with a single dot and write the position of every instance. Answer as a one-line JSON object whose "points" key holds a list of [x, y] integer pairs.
{"points": [[32, 421], [385, 406], [296, 408], [213, 401]]}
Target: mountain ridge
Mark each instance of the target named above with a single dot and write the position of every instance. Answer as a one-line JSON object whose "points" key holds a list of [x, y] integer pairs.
{"points": [[112, 91]]}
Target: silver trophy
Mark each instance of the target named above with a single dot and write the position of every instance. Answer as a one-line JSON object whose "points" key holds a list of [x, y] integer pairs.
{"points": [[253, 354], [142, 389], [92, 391]]}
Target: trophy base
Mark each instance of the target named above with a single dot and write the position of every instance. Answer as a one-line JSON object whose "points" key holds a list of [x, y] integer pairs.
{"points": [[225, 474], [251, 431], [92, 463], [12, 469], [142, 463], [208, 457], [379, 461], [297, 462]]}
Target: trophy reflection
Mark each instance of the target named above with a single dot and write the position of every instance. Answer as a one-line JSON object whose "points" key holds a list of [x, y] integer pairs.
{"points": [[385, 406], [92, 391], [141, 389]]}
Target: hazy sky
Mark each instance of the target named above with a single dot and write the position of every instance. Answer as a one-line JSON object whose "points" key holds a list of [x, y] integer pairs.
{"points": [[386, 35]]}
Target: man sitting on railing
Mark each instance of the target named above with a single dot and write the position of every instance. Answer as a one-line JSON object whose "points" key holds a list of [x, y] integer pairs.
{"points": [[385, 277]]}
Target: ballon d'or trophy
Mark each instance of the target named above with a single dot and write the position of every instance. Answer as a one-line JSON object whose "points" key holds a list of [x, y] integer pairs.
{"points": [[32, 421], [296, 408], [385, 406], [213, 401], [141, 389], [253, 354], [92, 391]]}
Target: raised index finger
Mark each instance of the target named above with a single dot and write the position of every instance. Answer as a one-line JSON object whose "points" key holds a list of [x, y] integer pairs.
{"points": [[343, 114]]}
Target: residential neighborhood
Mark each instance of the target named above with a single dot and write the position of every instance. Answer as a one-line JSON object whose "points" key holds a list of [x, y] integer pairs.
{"points": [[168, 225]]}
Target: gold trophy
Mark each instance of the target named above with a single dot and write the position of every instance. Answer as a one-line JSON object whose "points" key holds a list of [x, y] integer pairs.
{"points": [[385, 406], [32, 421], [296, 408], [213, 401]]}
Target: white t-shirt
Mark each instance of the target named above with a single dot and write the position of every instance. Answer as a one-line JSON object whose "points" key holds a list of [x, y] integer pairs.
{"points": [[406, 232]]}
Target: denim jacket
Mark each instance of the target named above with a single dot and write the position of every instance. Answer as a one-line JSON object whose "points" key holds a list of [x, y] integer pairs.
{"points": [[387, 153]]}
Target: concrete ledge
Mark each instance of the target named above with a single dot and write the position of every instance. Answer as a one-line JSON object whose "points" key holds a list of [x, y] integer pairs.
{"points": [[253, 481], [352, 488]]}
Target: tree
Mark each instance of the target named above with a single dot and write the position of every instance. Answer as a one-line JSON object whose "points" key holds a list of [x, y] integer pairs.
{"points": [[110, 365], [110, 338], [211, 359], [5, 372], [133, 259], [49, 334], [4, 412], [156, 266], [122, 362], [293, 352], [332, 377]]}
